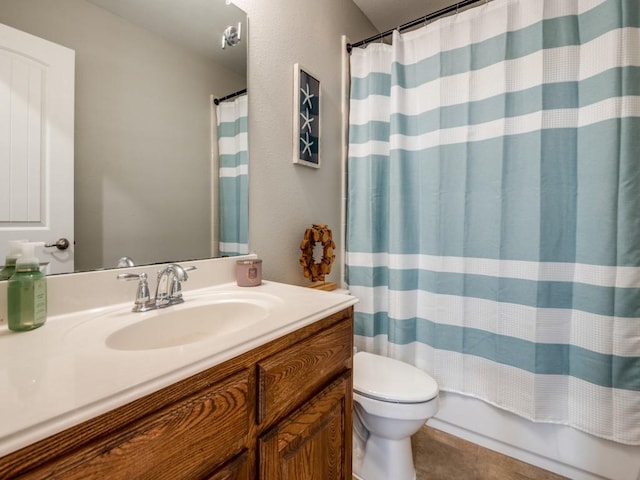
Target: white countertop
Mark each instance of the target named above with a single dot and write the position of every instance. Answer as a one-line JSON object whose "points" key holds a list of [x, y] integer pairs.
{"points": [[63, 373]]}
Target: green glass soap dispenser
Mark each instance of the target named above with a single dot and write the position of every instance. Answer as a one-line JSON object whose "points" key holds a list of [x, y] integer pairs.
{"points": [[10, 260], [27, 292]]}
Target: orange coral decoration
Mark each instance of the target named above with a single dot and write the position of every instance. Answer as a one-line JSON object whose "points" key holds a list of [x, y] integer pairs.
{"points": [[318, 234]]}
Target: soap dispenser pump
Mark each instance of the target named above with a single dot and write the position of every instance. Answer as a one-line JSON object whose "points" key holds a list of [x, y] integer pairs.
{"points": [[10, 260], [27, 291]]}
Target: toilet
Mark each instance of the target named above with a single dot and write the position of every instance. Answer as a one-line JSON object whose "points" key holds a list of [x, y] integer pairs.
{"points": [[392, 400]]}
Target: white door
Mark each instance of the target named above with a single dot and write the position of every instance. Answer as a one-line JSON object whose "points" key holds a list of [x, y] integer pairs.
{"points": [[36, 145]]}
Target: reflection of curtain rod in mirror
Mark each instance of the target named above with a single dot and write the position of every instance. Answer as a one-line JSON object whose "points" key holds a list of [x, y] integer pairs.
{"points": [[231, 36], [230, 96]]}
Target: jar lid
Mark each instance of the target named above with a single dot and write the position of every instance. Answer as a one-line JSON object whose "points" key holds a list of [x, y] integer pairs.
{"points": [[251, 261]]}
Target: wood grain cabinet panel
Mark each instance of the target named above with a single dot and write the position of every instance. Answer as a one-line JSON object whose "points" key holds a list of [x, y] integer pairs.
{"points": [[310, 443], [184, 440], [237, 469], [293, 375]]}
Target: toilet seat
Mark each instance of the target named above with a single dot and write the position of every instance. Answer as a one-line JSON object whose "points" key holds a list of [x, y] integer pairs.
{"points": [[389, 380], [396, 410]]}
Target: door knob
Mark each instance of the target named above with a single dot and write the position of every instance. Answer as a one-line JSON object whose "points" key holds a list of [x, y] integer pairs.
{"points": [[61, 244]]}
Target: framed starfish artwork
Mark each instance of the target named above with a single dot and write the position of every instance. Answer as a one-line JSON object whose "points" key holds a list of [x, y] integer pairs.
{"points": [[306, 118]]}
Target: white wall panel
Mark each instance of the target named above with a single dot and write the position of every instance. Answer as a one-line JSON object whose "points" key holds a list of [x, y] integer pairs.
{"points": [[21, 110]]}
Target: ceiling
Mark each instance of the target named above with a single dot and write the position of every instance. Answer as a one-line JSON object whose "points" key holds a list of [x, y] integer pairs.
{"points": [[388, 14], [194, 24], [184, 20]]}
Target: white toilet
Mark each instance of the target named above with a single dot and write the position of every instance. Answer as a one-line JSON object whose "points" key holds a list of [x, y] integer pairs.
{"points": [[392, 400]]}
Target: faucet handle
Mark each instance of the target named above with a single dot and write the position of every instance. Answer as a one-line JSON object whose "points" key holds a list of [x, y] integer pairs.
{"points": [[188, 269], [179, 276], [143, 301], [180, 272]]}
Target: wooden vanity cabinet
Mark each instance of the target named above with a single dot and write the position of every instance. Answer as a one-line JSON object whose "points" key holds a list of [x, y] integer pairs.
{"points": [[282, 410]]}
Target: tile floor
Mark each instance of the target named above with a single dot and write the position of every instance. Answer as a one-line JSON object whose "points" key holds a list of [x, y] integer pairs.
{"points": [[440, 456]]}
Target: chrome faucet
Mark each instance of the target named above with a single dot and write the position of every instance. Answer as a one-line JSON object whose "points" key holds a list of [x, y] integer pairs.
{"points": [[168, 288], [143, 301], [173, 275]]}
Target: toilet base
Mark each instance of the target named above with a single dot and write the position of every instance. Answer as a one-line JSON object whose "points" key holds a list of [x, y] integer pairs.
{"points": [[360, 478], [385, 459]]}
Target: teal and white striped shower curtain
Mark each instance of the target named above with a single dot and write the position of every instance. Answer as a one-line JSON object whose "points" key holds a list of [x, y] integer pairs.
{"points": [[493, 232], [233, 149]]}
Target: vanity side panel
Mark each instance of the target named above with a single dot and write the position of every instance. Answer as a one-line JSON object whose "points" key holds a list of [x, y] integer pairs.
{"points": [[184, 440]]}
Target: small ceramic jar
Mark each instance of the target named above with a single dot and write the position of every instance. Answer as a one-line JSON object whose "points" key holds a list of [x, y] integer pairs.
{"points": [[249, 272]]}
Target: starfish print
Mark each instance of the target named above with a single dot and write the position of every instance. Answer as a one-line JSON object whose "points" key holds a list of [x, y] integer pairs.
{"points": [[307, 143], [307, 96], [307, 120]]}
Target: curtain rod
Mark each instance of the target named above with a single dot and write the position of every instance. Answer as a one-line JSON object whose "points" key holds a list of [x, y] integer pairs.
{"points": [[230, 96], [413, 23]]}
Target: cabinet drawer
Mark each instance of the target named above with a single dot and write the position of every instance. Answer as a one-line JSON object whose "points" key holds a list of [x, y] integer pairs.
{"points": [[184, 440], [291, 376]]}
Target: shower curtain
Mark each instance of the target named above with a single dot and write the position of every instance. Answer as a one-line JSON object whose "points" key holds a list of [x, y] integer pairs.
{"points": [[234, 176], [493, 212]]}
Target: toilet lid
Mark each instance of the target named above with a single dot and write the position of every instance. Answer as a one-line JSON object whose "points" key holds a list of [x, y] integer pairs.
{"points": [[390, 380]]}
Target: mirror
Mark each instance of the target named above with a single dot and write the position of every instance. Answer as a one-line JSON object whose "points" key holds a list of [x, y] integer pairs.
{"points": [[145, 73]]}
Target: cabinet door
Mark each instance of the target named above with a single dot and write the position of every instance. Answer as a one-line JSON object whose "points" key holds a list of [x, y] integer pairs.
{"points": [[313, 443]]}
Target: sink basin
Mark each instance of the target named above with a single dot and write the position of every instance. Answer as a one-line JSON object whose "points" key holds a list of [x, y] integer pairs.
{"points": [[170, 328], [198, 319]]}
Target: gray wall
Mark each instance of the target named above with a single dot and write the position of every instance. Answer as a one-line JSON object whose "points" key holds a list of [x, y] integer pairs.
{"points": [[142, 141], [285, 199]]}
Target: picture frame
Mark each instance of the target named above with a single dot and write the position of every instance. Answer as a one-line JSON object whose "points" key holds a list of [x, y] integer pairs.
{"points": [[306, 117]]}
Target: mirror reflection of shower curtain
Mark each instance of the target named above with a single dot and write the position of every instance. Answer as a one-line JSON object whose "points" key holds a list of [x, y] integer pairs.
{"points": [[233, 148]]}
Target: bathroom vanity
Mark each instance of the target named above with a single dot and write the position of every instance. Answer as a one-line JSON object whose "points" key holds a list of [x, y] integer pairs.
{"points": [[274, 405]]}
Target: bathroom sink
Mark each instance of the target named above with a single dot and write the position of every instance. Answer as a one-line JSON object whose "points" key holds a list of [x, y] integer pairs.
{"points": [[169, 328], [196, 320]]}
